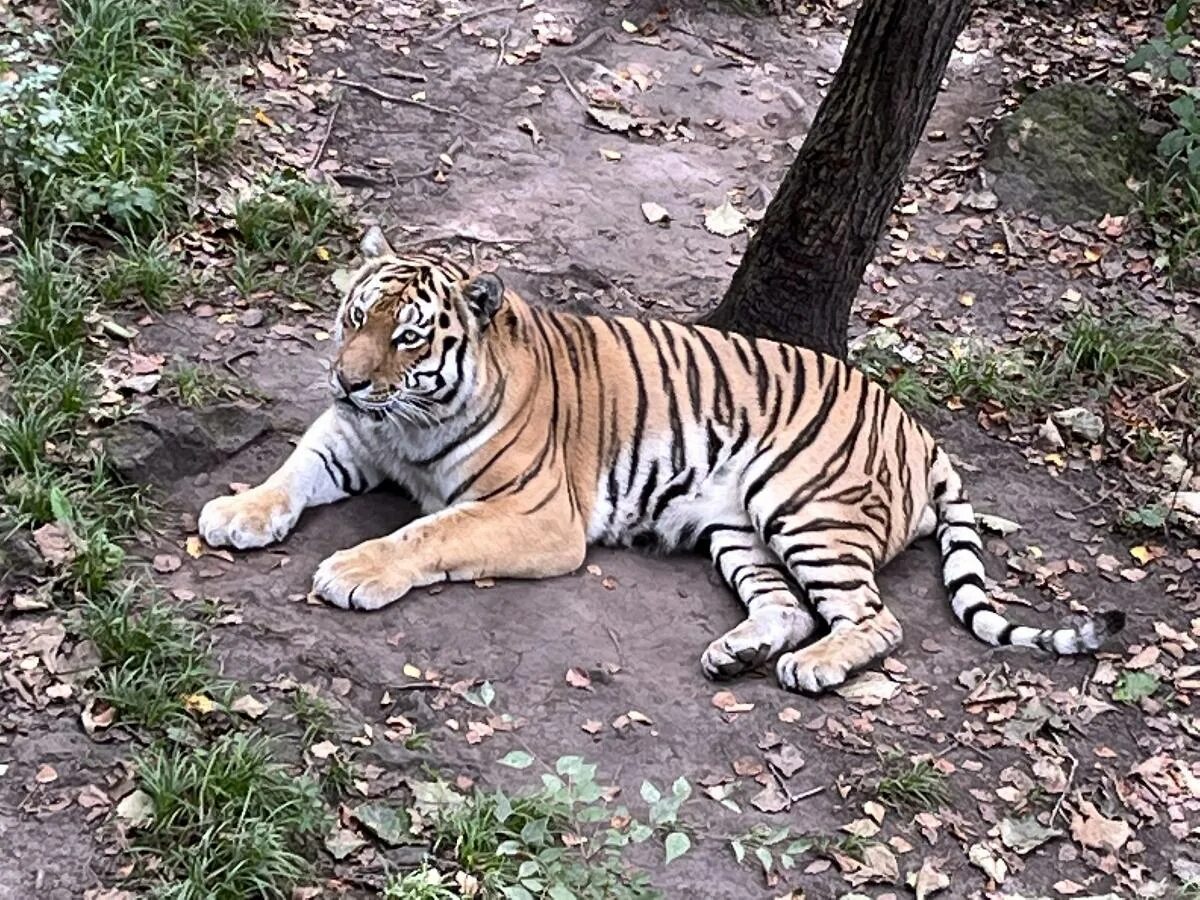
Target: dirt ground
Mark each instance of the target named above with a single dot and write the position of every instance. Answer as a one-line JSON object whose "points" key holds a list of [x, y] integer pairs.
{"points": [[1013, 732]]}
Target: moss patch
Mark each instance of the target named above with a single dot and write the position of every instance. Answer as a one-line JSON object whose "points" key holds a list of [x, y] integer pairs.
{"points": [[1068, 152]]}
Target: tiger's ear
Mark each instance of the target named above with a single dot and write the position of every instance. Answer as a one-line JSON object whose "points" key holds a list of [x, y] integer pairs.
{"points": [[483, 294], [374, 244]]}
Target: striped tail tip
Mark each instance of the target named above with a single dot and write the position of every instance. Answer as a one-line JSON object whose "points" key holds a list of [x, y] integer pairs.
{"points": [[1100, 627]]}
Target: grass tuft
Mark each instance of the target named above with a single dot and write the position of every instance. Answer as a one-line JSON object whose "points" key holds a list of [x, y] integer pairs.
{"points": [[142, 269], [197, 385], [227, 821], [53, 303], [911, 785], [153, 658]]}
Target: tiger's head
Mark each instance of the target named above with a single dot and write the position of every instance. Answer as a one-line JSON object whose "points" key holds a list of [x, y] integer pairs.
{"points": [[408, 331]]}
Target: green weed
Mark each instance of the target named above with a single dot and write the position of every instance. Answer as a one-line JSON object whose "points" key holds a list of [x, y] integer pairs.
{"points": [[52, 304], [142, 269], [1118, 347], [425, 883], [555, 841], [197, 385], [153, 659], [911, 784], [226, 821], [1011, 376]]}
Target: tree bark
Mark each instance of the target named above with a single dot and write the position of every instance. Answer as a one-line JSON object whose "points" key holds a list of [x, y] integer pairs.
{"points": [[804, 265]]}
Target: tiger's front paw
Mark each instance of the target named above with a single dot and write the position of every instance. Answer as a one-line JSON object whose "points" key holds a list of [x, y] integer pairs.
{"points": [[369, 576], [253, 518]]}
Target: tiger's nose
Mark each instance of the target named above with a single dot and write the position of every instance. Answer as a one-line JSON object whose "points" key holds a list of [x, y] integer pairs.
{"points": [[350, 387]]}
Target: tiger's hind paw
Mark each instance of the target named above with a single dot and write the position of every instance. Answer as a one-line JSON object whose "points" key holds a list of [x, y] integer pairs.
{"points": [[801, 672], [768, 631]]}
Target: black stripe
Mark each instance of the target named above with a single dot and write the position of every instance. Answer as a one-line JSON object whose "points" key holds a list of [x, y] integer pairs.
{"points": [[675, 490], [639, 413], [647, 490], [1005, 636], [955, 546], [969, 614], [953, 587], [328, 468], [844, 586]]}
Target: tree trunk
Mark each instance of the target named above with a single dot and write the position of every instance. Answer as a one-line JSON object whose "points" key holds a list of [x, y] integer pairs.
{"points": [[803, 267]]}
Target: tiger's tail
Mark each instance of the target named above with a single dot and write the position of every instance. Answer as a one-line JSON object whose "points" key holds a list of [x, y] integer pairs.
{"points": [[963, 574]]}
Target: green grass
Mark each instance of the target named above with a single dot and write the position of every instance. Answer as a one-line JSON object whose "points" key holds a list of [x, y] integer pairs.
{"points": [[104, 125], [314, 714], [111, 136], [142, 270], [54, 300], [153, 658], [552, 842], [878, 359], [197, 385], [911, 785], [1119, 347], [228, 821], [1014, 377], [283, 224], [1082, 359], [425, 883]]}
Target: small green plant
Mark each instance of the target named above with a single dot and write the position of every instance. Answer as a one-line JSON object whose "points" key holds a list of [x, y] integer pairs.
{"points": [[144, 269], [1152, 516], [288, 220], [1134, 686], [314, 714], [1011, 376], [771, 847], [226, 821], [911, 784], [425, 883], [152, 659], [54, 300], [418, 740], [877, 357], [557, 841], [1171, 200], [1118, 347], [197, 385]]}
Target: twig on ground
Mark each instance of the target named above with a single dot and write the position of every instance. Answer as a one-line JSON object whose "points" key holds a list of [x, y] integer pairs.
{"points": [[408, 101], [392, 72], [570, 86], [420, 686], [320, 151], [719, 47], [503, 46], [466, 17], [579, 46], [228, 361], [1066, 789]]}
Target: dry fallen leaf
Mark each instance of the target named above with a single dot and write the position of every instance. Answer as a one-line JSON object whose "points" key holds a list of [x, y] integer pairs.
{"points": [[929, 880], [249, 706], [54, 543], [770, 799], [578, 678], [1093, 830], [725, 220], [655, 214], [137, 808], [986, 859], [166, 563]]}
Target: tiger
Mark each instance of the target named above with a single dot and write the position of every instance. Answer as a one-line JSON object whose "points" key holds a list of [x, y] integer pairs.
{"points": [[527, 434]]}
